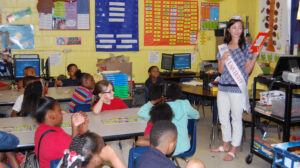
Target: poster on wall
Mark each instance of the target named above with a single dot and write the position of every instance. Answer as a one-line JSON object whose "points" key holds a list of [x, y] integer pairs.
{"points": [[20, 36], [68, 40], [170, 22], [67, 15], [275, 18], [116, 25], [209, 15]]}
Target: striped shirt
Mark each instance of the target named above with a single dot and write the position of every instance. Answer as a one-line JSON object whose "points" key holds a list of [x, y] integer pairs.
{"points": [[81, 95], [240, 57]]}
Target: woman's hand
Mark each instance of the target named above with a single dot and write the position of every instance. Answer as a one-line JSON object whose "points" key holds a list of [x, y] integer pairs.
{"points": [[225, 55], [257, 53]]}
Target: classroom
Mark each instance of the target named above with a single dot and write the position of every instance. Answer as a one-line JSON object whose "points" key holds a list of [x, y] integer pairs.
{"points": [[99, 74]]}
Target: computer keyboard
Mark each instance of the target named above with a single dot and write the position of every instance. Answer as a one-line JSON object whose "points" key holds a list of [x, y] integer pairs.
{"points": [[165, 73], [185, 73]]}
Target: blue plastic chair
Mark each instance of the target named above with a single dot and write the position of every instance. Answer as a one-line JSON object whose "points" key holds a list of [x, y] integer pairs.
{"points": [[54, 163], [82, 107], [135, 154], [192, 130]]}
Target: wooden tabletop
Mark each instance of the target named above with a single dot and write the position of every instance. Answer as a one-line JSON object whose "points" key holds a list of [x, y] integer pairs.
{"points": [[107, 124], [198, 90]]}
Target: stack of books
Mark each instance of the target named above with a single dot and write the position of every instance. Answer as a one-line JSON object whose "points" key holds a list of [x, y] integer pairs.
{"points": [[120, 82]]}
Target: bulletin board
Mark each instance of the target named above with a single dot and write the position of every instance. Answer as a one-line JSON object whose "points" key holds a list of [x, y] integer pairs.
{"points": [[274, 17], [170, 22], [67, 15], [116, 25], [209, 15]]}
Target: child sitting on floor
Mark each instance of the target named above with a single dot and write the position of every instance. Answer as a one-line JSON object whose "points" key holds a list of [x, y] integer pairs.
{"points": [[158, 112], [83, 93], [182, 111], [53, 144], [163, 137], [88, 150]]}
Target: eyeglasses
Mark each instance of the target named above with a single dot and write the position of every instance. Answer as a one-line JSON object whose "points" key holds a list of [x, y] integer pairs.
{"points": [[109, 91]]}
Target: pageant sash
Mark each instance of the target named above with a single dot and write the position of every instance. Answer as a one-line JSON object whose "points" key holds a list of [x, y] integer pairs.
{"points": [[237, 76]]}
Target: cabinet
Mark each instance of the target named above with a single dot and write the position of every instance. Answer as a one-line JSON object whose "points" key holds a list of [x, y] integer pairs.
{"points": [[286, 122]]}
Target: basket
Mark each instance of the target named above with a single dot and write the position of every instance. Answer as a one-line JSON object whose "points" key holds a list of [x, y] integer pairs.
{"points": [[283, 158]]}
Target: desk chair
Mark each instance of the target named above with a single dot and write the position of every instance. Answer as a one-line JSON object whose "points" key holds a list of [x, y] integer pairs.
{"points": [[135, 154], [192, 130], [54, 163], [82, 107]]}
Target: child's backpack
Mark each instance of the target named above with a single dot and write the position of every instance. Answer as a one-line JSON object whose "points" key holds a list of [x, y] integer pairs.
{"points": [[32, 161]]}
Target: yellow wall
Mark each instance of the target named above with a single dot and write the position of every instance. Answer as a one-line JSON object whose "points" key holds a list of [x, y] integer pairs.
{"points": [[85, 56]]}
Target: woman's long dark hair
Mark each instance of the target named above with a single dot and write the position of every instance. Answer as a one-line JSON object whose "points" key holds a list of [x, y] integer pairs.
{"points": [[228, 38]]}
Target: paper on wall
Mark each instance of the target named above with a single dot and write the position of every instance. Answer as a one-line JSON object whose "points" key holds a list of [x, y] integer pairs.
{"points": [[153, 57], [55, 59], [193, 57]]}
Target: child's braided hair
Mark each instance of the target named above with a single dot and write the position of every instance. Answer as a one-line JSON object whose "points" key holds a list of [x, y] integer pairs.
{"points": [[84, 146]]}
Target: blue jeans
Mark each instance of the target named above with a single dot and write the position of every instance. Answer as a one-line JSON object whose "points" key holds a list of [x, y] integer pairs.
{"points": [[8, 141]]}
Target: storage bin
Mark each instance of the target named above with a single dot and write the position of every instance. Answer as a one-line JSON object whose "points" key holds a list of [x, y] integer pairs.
{"points": [[267, 97], [279, 105], [283, 158]]}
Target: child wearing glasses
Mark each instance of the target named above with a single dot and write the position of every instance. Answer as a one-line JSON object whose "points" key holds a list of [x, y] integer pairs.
{"points": [[105, 100]]}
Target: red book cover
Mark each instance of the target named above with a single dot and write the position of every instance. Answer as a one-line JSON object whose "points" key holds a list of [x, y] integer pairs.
{"points": [[258, 42]]}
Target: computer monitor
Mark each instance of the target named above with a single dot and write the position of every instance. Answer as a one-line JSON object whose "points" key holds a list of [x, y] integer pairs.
{"points": [[21, 61], [286, 63], [167, 61], [182, 61]]}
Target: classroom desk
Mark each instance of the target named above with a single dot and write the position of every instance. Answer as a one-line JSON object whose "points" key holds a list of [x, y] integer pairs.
{"points": [[212, 95], [96, 124], [173, 77], [61, 94]]}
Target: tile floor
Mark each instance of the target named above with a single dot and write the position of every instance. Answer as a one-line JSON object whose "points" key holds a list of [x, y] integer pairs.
{"points": [[215, 160]]}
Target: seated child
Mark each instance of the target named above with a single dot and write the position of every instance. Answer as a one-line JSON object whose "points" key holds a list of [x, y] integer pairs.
{"points": [[163, 137], [18, 104], [28, 71], [158, 112], [50, 117], [105, 100], [83, 93], [72, 81], [32, 94], [156, 94], [182, 111], [88, 150], [8, 142], [153, 78]]}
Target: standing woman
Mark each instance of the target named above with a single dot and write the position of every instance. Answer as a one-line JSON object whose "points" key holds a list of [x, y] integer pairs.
{"points": [[229, 94]]}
